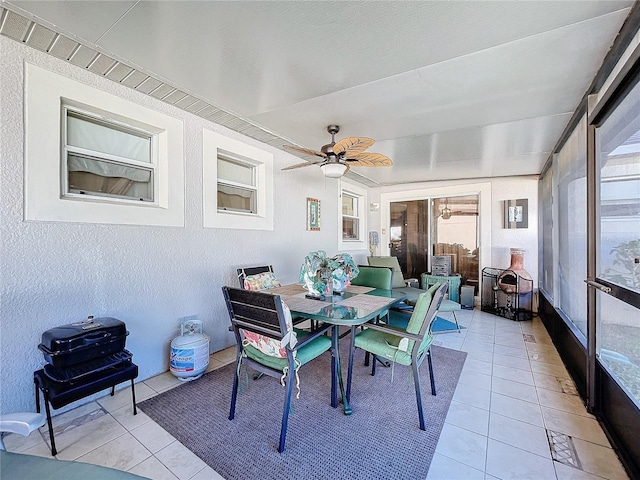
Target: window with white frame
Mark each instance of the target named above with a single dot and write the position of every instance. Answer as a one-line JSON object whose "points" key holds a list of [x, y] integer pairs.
{"points": [[237, 189], [237, 184], [96, 157], [105, 158], [351, 216]]}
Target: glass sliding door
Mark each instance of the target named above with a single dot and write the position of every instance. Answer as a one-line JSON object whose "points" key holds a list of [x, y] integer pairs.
{"points": [[419, 229], [455, 233], [409, 235], [618, 244]]}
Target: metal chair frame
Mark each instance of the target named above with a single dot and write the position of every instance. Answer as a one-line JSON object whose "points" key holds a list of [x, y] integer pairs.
{"points": [[246, 271], [262, 313], [417, 357]]}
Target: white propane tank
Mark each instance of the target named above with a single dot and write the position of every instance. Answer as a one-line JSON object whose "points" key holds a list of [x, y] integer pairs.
{"points": [[189, 351]]}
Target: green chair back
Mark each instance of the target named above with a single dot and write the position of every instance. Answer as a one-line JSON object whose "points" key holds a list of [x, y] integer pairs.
{"points": [[391, 262], [419, 315], [375, 277], [424, 313]]}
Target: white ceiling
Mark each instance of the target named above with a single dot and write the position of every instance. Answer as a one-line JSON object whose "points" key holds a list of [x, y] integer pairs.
{"points": [[448, 89]]}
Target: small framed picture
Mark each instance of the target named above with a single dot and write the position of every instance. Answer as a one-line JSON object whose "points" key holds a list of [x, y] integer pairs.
{"points": [[516, 213], [313, 214]]}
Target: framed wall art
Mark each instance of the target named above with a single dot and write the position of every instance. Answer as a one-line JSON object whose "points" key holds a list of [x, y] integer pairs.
{"points": [[516, 213], [313, 214]]}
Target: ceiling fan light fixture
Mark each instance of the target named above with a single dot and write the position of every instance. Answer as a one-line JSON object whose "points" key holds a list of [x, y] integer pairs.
{"points": [[333, 170]]}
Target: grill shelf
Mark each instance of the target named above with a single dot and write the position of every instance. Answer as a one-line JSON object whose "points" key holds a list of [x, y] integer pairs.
{"points": [[83, 372]]}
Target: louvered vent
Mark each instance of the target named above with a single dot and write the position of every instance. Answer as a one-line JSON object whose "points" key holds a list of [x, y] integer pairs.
{"points": [[41, 38]]}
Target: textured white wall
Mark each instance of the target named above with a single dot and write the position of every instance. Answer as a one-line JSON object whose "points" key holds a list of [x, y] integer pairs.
{"points": [[503, 239], [55, 273]]}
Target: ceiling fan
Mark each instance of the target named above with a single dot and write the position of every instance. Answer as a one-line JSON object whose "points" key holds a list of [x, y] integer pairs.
{"points": [[337, 157]]}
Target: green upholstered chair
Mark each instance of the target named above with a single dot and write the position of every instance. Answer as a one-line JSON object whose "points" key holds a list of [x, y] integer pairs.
{"points": [[389, 262], [375, 277], [267, 342], [413, 293], [409, 346], [398, 283]]}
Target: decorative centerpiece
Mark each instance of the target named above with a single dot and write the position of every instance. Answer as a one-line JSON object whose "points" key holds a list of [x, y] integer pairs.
{"points": [[322, 275]]}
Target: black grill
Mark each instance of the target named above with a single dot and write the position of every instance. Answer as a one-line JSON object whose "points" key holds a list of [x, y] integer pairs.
{"points": [[86, 371], [83, 358]]}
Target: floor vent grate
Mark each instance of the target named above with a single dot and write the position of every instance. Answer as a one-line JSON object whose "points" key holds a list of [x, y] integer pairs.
{"points": [[529, 338], [562, 449]]}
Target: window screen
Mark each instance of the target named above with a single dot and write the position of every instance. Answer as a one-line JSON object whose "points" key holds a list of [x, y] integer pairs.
{"points": [[106, 159], [572, 227], [545, 197], [237, 190], [350, 217]]}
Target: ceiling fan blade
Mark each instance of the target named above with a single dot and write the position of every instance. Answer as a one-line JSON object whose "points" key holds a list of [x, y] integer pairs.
{"points": [[300, 165], [352, 145], [369, 160], [306, 151]]}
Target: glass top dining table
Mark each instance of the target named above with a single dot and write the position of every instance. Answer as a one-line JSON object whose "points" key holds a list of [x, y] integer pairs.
{"points": [[354, 307]]}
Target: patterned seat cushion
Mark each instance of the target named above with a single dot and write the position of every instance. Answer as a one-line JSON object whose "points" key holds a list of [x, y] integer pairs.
{"points": [[261, 281], [271, 346]]}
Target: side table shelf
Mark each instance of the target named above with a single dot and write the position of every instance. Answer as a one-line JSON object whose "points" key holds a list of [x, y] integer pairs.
{"points": [[507, 294]]}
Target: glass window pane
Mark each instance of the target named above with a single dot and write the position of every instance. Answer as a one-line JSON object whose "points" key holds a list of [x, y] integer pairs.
{"points": [[92, 134], [546, 227], [97, 177], [572, 227], [618, 143], [349, 205], [236, 199], [236, 172], [619, 342], [350, 228], [455, 234]]}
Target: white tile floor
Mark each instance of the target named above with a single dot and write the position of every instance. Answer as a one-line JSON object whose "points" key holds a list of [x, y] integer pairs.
{"points": [[512, 391]]}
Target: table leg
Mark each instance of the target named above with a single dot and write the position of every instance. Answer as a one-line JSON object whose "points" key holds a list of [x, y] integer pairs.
{"points": [[350, 372], [334, 366], [337, 372]]}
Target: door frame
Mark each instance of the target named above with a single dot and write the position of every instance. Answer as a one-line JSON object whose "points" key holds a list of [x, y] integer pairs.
{"points": [[483, 190]]}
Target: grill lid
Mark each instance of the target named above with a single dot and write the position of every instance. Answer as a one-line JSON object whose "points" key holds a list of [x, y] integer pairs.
{"points": [[93, 331]]}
